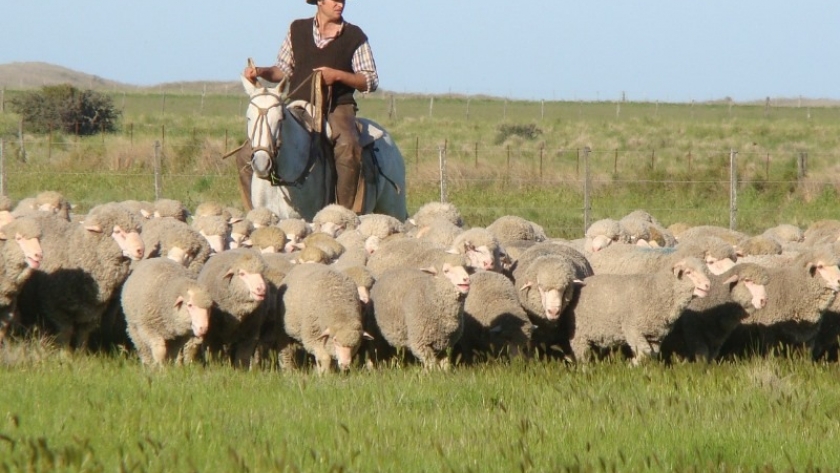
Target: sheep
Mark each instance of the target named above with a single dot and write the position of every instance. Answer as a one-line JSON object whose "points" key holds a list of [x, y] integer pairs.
{"points": [[633, 309], [730, 236], [356, 249], [6, 207], [494, 321], [481, 248], [508, 228], [799, 292], [262, 217], [644, 229], [268, 240], [785, 233], [296, 230], [432, 210], [602, 233], [142, 209], [822, 232], [176, 240], [164, 306], [20, 256], [707, 322], [215, 229], [422, 310], [240, 232], [580, 264], [378, 225], [272, 335], [438, 230], [326, 243], [322, 311], [83, 267], [312, 254], [171, 208], [334, 219], [363, 278], [211, 209], [758, 245], [411, 252], [627, 259], [47, 201]]}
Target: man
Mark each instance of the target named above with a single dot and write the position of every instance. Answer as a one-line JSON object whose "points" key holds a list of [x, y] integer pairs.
{"points": [[342, 53]]}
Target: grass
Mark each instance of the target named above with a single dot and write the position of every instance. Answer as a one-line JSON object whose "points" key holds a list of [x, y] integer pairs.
{"points": [[101, 413]]}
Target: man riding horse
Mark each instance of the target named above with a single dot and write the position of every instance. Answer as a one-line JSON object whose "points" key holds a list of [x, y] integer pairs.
{"points": [[341, 52]]}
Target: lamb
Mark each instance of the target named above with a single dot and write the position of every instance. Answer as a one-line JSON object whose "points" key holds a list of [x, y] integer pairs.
{"points": [[84, 266], [215, 229], [707, 322], [422, 310], [164, 306], [321, 310], [268, 240], [334, 219], [633, 309], [235, 281], [494, 321], [20, 256], [798, 294]]}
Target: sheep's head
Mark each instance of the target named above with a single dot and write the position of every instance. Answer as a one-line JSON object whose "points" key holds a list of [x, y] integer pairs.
{"points": [[180, 256], [27, 235], [554, 277], [752, 278], [197, 303], [343, 343], [823, 264], [694, 270], [121, 225]]}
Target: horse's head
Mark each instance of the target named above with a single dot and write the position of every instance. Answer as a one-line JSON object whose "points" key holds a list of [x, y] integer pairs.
{"points": [[265, 114]]}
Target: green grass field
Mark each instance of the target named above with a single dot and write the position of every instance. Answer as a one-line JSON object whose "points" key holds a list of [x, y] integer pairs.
{"points": [[61, 412]]}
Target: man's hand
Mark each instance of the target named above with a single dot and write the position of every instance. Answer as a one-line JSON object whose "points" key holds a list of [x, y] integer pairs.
{"points": [[250, 73], [330, 75]]}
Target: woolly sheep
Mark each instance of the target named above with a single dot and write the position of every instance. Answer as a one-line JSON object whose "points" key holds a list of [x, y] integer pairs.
{"points": [[296, 230], [508, 228], [494, 321], [413, 253], [47, 201], [633, 309], [627, 259], [798, 293], [602, 233], [363, 278], [758, 245], [439, 231], [326, 243], [785, 233], [356, 249], [235, 281], [321, 310], [215, 229], [432, 210], [268, 240], [6, 207], [379, 225], [707, 322], [84, 265], [422, 310], [240, 232], [20, 256], [171, 208], [176, 240], [142, 209], [481, 248], [730, 236], [262, 217], [164, 307], [210, 209], [334, 219]]}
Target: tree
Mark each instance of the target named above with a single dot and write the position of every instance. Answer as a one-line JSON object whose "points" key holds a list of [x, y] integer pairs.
{"points": [[66, 108]]}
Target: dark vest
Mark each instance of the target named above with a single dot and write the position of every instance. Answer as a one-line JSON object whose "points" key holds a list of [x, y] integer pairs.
{"points": [[338, 54]]}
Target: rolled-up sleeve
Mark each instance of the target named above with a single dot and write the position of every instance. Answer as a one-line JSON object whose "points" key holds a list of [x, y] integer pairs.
{"points": [[364, 64], [285, 57]]}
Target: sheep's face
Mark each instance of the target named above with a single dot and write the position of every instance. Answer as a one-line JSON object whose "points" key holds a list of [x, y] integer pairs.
{"points": [[237, 240], [343, 344], [130, 242], [458, 276], [758, 292], [331, 228], [481, 257], [718, 266], [700, 281], [829, 272], [199, 316], [599, 242], [31, 248], [551, 300], [372, 244], [254, 282], [180, 256], [216, 242], [364, 294]]}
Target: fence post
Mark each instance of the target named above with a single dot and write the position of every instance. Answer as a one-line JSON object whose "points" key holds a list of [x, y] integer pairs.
{"points": [[416, 153], [542, 109], [504, 111], [587, 204], [392, 109], [226, 140], [767, 167], [3, 189], [163, 136], [131, 134], [615, 163], [20, 135], [3, 100], [507, 175], [49, 145], [733, 189], [203, 93], [577, 164], [802, 165], [476, 154], [442, 162], [689, 161], [157, 169], [431, 105], [468, 108], [542, 153]]}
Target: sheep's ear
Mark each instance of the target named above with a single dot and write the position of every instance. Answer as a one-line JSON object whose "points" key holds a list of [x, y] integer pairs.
{"points": [[731, 280], [679, 270], [93, 228], [527, 285], [430, 269], [468, 246], [229, 275], [811, 267], [367, 336], [179, 302], [579, 282], [324, 335], [3, 235]]}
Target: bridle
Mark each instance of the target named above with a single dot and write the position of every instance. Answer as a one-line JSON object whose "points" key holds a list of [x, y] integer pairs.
{"points": [[262, 127]]}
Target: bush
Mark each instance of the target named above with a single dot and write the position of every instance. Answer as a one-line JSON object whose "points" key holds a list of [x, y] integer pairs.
{"points": [[506, 131], [66, 108]]}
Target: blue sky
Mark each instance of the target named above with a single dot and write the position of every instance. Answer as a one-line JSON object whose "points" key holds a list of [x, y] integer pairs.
{"points": [[664, 50]]}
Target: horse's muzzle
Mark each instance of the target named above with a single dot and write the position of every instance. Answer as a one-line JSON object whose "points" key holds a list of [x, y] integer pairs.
{"points": [[261, 163]]}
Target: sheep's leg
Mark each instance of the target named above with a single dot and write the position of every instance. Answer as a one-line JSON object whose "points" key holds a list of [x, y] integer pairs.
{"points": [[157, 347], [426, 355], [243, 353], [191, 351], [7, 317], [323, 360], [580, 349]]}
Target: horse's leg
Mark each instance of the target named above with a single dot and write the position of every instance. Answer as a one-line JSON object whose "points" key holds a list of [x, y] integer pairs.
{"points": [[243, 164]]}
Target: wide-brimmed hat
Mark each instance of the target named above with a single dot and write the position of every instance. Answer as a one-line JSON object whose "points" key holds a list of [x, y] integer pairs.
{"points": [[312, 2]]}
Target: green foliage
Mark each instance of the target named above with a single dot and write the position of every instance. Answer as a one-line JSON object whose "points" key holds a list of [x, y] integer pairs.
{"points": [[67, 109], [507, 130]]}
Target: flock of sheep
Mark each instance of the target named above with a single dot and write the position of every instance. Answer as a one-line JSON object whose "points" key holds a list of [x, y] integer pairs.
{"points": [[181, 286]]}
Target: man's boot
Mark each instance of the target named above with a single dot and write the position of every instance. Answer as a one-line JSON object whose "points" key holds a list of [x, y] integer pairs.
{"points": [[349, 188]]}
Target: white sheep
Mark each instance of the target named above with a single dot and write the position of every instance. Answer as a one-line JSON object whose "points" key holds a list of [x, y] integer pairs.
{"points": [[216, 229], [633, 309], [236, 283], [509, 228], [421, 310], [84, 265], [334, 219], [322, 311], [164, 307], [20, 256]]}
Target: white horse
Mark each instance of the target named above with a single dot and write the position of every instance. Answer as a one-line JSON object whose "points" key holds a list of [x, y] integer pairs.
{"points": [[294, 180]]}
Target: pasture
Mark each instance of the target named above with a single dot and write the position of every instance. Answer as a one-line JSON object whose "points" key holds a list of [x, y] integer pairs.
{"points": [[105, 412]]}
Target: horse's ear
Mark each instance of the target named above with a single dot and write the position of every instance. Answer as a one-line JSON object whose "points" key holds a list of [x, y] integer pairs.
{"points": [[249, 86], [278, 89]]}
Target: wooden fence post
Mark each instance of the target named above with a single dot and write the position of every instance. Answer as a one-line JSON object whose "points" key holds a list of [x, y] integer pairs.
{"points": [[476, 154], [615, 163], [733, 189], [416, 153], [442, 162], [22, 144], [802, 165], [542, 153], [689, 161], [3, 100], [587, 183], [3, 189], [507, 175], [157, 169], [767, 167], [431, 105]]}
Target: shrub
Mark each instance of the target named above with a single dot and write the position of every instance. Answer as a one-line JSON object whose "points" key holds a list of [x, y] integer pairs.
{"points": [[66, 108], [506, 130]]}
